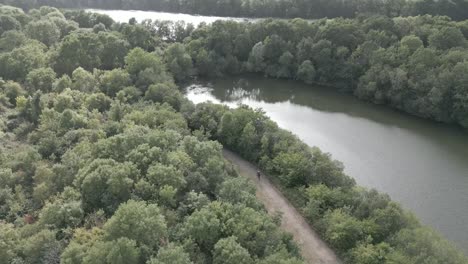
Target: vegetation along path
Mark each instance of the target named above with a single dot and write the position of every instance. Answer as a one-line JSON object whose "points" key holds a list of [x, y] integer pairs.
{"points": [[313, 249]]}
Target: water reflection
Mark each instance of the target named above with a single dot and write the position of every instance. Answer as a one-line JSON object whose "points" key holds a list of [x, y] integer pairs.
{"points": [[328, 100]]}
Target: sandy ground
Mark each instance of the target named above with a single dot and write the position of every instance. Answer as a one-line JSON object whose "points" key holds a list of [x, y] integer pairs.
{"points": [[313, 249]]}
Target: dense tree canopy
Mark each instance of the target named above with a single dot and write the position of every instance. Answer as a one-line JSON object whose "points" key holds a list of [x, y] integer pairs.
{"points": [[102, 159]]}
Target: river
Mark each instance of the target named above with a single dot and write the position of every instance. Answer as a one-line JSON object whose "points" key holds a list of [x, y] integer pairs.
{"points": [[419, 163], [124, 16]]}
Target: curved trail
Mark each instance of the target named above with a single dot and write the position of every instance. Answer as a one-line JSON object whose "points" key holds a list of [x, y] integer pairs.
{"points": [[313, 249]]}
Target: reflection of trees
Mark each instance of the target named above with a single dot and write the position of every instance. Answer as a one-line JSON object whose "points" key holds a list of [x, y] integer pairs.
{"points": [[253, 88], [322, 99], [318, 98], [238, 93]]}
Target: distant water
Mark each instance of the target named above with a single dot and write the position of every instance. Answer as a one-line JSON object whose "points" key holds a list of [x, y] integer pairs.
{"points": [[125, 15], [419, 163]]}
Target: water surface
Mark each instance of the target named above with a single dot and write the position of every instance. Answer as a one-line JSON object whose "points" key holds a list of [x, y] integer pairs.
{"points": [[419, 163], [124, 16]]}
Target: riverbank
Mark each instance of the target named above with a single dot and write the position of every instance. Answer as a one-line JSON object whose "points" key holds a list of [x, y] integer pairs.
{"points": [[419, 163]]}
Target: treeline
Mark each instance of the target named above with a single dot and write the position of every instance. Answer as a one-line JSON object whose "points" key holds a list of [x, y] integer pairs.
{"points": [[456, 9], [102, 159]]}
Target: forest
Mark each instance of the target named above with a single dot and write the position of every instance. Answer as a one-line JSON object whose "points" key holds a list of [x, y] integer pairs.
{"points": [[456, 9], [103, 160]]}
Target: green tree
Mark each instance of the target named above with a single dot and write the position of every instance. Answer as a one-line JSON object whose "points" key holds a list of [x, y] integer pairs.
{"points": [[115, 48], [411, 42], [179, 62], [8, 243], [446, 38], [227, 129], [228, 251], [16, 64], [460, 106], [62, 83], [287, 68], [138, 36], [305, 49], [161, 175], [61, 214], [12, 39], [84, 81], [41, 248], [41, 79], [104, 184], [114, 81], [12, 90], [164, 93], [78, 49], [256, 62], [139, 60], [65, 26], [421, 244], [293, 169], [44, 31], [146, 68], [321, 199], [8, 23], [123, 251], [171, 254], [274, 48], [343, 230], [329, 171], [280, 258], [119, 251], [306, 72], [204, 227], [249, 142], [194, 201], [322, 58], [238, 191], [129, 94], [98, 101], [389, 221], [370, 254], [139, 221], [253, 229]]}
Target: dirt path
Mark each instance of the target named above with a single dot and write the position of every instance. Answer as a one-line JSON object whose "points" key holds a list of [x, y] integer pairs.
{"points": [[313, 249]]}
